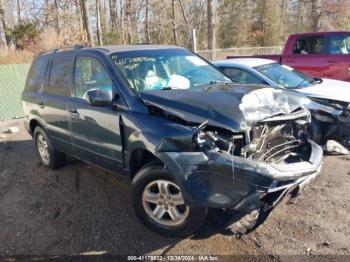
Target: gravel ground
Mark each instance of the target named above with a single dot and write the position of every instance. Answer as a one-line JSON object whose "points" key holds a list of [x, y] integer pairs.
{"points": [[80, 209]]}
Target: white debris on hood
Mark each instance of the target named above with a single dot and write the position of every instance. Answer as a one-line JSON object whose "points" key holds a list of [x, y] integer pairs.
{"points": [[334, 147], [267, 102]]}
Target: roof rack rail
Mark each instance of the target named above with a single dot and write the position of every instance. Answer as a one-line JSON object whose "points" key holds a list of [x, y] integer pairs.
{"points": [[73, 47]]}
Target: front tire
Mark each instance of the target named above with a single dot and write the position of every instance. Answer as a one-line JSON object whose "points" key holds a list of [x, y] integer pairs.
{"points": [[159, 203], [47, 154]]}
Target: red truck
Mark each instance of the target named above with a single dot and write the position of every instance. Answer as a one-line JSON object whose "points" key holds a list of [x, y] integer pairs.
{"points": [[321, 54]]}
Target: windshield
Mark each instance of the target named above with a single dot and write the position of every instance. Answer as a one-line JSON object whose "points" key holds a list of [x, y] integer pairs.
{"points": [[166, 69], [285, 76]]}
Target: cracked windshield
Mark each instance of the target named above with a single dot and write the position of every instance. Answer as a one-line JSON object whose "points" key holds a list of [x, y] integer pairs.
{"points": [[166, 69]]}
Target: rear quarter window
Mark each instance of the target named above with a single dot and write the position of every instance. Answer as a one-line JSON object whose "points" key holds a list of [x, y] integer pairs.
{"points": [[36, 74], [60, 82]]}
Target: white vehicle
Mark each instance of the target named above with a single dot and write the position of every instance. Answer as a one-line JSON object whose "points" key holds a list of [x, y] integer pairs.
{"points": [[269, 72], [332, 97]]}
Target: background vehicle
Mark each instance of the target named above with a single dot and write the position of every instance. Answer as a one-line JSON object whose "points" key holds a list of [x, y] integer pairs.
{"points": [[321, 54], [163, 117], [332, 96]]}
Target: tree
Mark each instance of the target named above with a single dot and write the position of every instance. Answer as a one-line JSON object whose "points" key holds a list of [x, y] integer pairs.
{"points": [[113, 13], [86, 21], [235, 24], [173, 21], [25, 34], [3, 25], [19, 12], [315, 15], [98, 22], [218, 23], [147, 36], [57, 17], [78, 13], [211, 25], [268, 22]]}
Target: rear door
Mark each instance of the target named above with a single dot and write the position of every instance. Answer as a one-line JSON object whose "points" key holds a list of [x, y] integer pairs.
{"points": [[338, 58], [53, 101], [95, 130], [34, 85], [308, 55]]}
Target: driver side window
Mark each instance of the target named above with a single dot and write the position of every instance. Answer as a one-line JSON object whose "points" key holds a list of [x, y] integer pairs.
{"points": [[90, 75], [242, 76]]}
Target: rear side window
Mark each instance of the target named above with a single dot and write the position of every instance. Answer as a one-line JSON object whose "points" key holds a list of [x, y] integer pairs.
{"points": [[339, 44], [312, 45], [61, 76], [36, 74]]}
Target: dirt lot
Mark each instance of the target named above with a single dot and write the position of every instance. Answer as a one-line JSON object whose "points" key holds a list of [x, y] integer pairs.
{"points": [[80, 209]]}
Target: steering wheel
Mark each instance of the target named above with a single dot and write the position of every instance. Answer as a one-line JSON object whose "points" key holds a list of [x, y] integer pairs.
{"points": [[193, 74]]}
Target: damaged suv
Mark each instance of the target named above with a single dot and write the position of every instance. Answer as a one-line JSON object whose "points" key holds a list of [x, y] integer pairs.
{"points": [[187, 137]]}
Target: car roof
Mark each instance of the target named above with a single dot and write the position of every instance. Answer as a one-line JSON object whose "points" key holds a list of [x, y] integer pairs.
{"points": [[109, 48], [123, 48], [248, 62], [321, 33]]}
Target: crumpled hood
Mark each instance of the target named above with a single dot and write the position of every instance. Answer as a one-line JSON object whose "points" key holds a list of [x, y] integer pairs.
{"points": [[329, 89], [233, 107]]}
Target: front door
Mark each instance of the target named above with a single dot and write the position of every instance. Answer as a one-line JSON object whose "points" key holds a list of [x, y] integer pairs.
{"points": [[95, 130]]}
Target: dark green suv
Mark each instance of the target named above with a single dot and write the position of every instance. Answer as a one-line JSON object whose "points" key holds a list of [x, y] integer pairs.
{"points": [[188, 138]]}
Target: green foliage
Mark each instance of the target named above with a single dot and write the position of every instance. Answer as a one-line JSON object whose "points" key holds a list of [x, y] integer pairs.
{"points": [[249, 23], [235, 24], [268, 23], [112, 37], [24, 34]]}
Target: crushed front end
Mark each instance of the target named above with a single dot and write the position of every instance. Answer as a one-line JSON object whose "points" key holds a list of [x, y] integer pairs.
{"points": [[246, 174]]}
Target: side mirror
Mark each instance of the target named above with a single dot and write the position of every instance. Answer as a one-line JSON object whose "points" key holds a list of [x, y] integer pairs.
{"points": [[96, 97]]}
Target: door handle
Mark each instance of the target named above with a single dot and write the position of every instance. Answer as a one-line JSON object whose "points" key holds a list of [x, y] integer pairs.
{"points": [[331, 61], [73, 112], [41, 104]]}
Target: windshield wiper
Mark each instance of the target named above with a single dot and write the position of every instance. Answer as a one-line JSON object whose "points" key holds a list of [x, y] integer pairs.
{"points": [[220, 82], [215, 83], [318, 80], [167, 88]]}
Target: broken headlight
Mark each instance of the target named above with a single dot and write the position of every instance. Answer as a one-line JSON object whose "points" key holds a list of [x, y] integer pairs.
{"points": [[204, 140]]}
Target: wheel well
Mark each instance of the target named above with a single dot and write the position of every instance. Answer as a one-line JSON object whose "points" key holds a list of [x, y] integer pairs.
{"points": [[139, 158], [32, 125]]}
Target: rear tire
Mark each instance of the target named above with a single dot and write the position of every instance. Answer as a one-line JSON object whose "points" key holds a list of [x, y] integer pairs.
{"points": [[158, 202], [47, 154]]}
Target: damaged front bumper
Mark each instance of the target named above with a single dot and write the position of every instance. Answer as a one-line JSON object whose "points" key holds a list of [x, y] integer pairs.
{"points": [[220, 180]]}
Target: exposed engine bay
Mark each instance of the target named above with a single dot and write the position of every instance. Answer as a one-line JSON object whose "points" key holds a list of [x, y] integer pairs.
{"points": [[281, 139]]}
